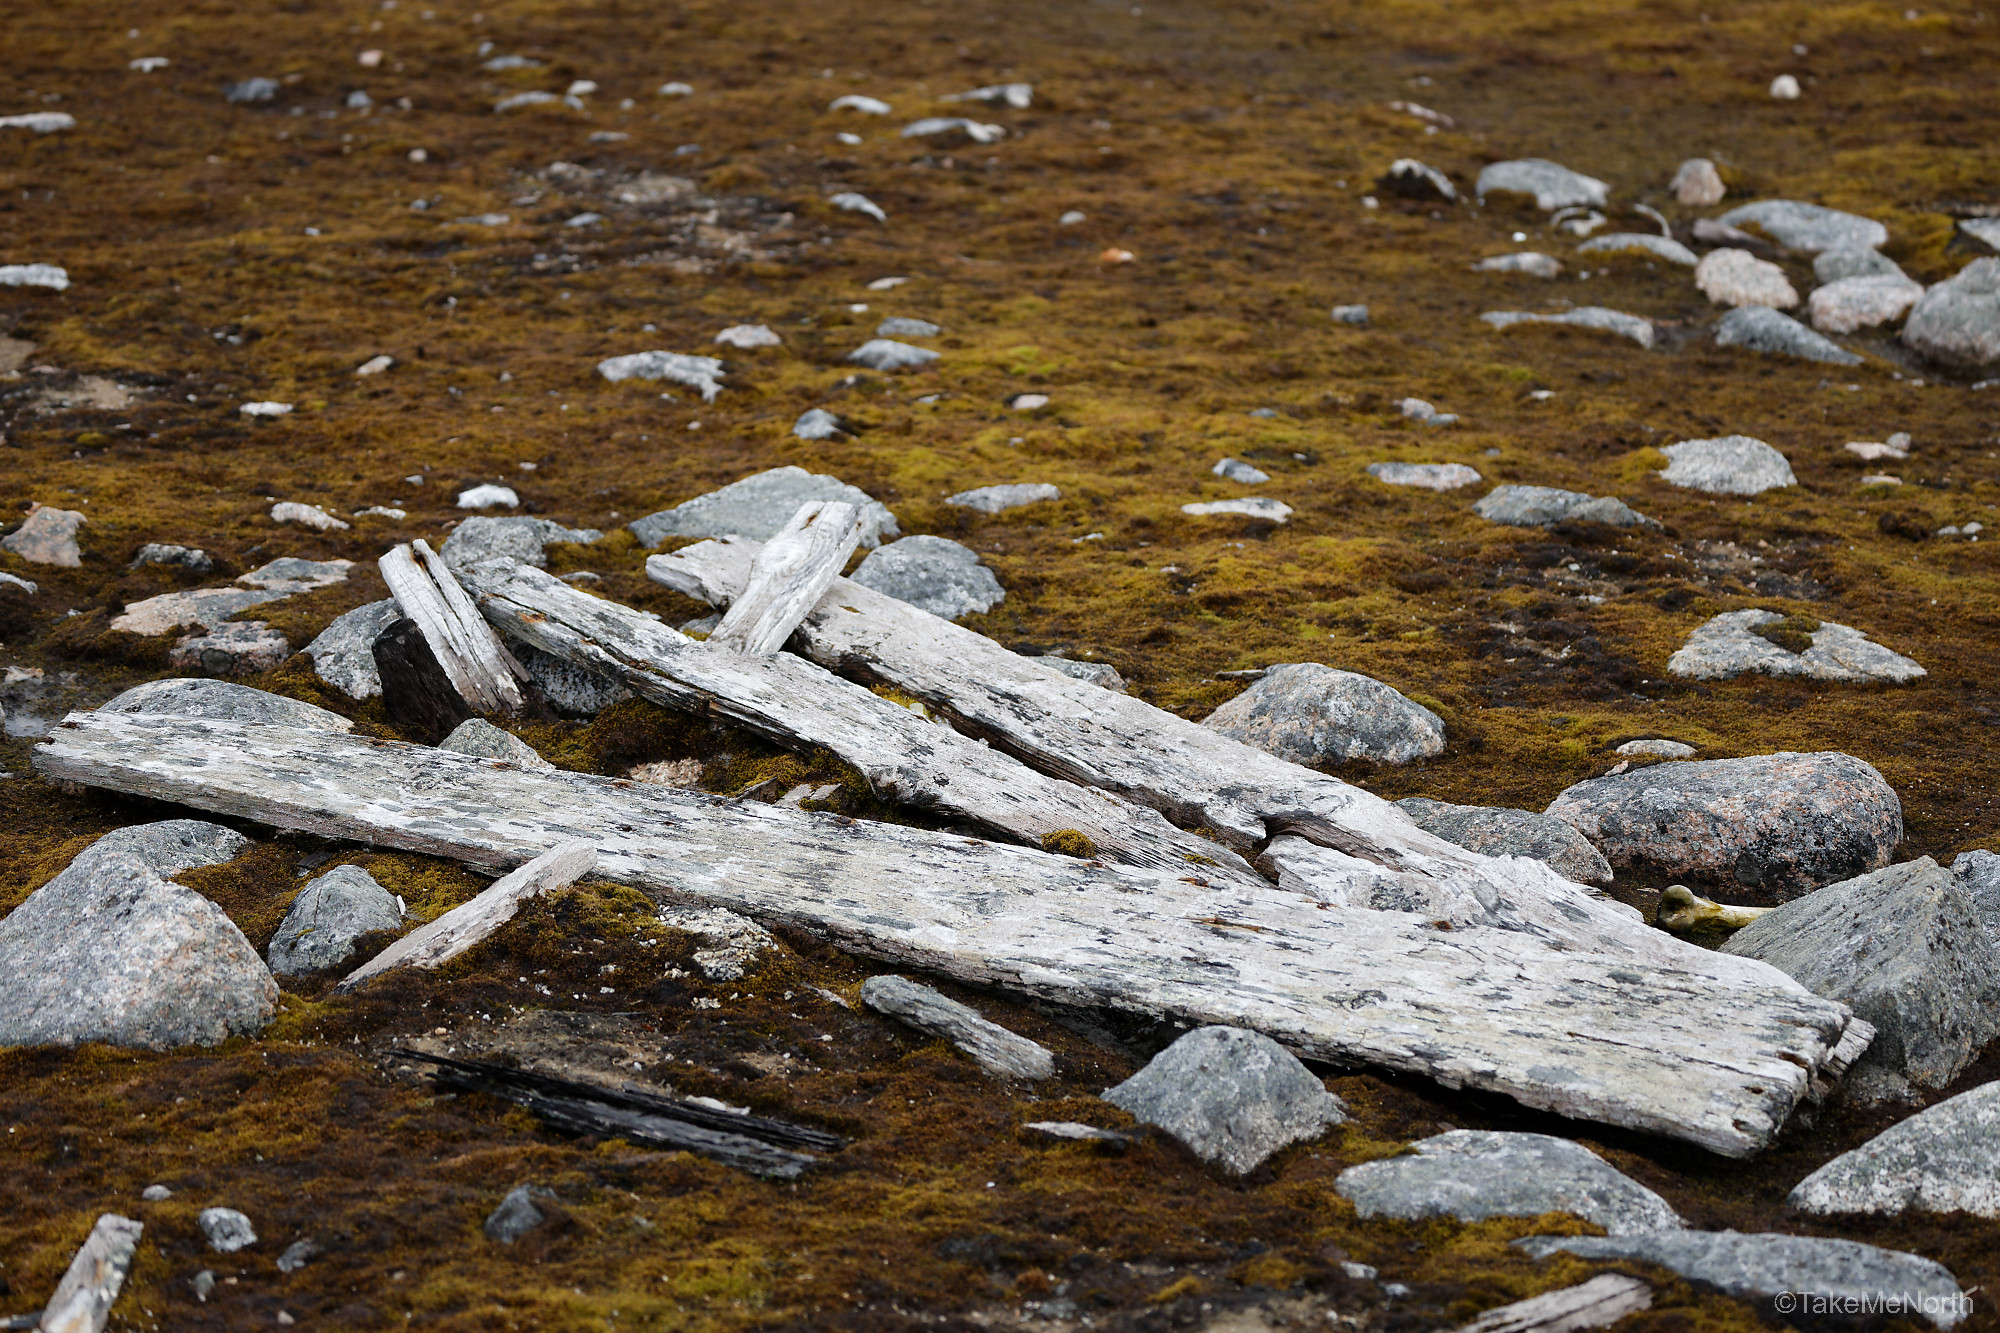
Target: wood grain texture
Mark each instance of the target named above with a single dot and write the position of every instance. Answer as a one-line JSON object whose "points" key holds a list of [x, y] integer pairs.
{"points": [[1602, 1301], [1708, 1048], [789, 576], [482, 670]]}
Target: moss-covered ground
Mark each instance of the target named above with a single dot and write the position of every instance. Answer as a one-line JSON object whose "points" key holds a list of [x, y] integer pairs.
{"points": [[224, 253]]}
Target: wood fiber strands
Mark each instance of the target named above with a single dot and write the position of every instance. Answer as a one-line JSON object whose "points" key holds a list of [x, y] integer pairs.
{"points": [[481, 669]]}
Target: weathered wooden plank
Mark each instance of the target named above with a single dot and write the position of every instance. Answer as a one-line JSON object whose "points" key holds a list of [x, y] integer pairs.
{"points": [[1709, 1048], [789, 576], [83, 1299], [470, 922], [1602, 1301], [479, 666], [904, 757]]}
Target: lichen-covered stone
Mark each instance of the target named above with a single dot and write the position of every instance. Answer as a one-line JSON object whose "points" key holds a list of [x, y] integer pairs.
{"points": [[994, 499], [328, 916], [1428, 476], [1697, 183], [1315, 714], [1550, 184], [223, 701], [933, 574], [1862, 303], [1583, 317], [240, 648], [1493, 831], [1979, 872], [571, 690], [1945, 1159], [1474, 1174], [47, 537], [1759, 328], [1540, 506], [1957, 322], [1232, 1096], [477, 736], [211, 607], [886, 354], [1803, 226], [1854, 261], [343, 653], [514, 537], [1640, 243], [1730, 644], [1738, 278], [1731, 465], [1249, 506], [1101, 674], [761, 504]]}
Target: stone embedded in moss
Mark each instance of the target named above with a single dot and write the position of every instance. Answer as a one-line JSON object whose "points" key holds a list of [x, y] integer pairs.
{"points": [[1233, 1097], [1314, 714]]}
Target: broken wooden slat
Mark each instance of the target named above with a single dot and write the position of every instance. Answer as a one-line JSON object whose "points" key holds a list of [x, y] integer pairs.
{"points": [[83, 1299], [1709, 1048], [1602, 1301], [903, 756], [470, 922], [789, 576], [479, 667]]}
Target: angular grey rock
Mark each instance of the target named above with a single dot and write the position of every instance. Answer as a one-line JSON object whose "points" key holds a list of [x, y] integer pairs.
{"points": [[993, 1048], [1728, 646], [1428, 476], [1494, 831], [1314, 714], [1905, 950], [1854, 261], [1784, 824], [1232, 1096], [1531, 262], [571, 690], [1862, 303], [327, 917], [1541, 506], [816, 423], [342, 653], [703, 373], [1551, 184], [1759, 328], [241, 648], [1803, 226], [227, 1230], [516, 538], [1664, 749], [1583, 317], [166, 848], [993, 499], [1979, 872], [211, 607], [83, 1299], [1738, 278], [1697, 183], [297, 1255], [901, 326], [1351, 314], [759, 505], [224, 702], [1957, 322], [1102, 674], [1731, 465], [1416, 180], [477, 736], [933, 574], [121, 956], [1240, 472], [1945, 1159], [47, 537], [1475, 1174], [184, 557], [886, 354], [1760, 1267], [1640, 243], [517, 1214]]}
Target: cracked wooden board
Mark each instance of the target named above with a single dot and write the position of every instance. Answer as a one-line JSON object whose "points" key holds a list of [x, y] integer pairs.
{"points": [[1716, 1054]]}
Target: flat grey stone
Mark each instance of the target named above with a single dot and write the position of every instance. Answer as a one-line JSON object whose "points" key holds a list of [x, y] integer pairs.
{"points": [[1428, 476], [1583, 317], [1979, 872], [119, 955], [1697, 183], [515, 538], [183, 557], [1541, 506], [886, 354], [1802, 1269], [696, 372], [227, 1230], [1905, 950], [1957, 322], [343, 653], [47, 537], [240, 648], [1240, 472], [1945, 1159], [900, 326], [1854, 261], [1802, 226], [1731, 465], [993, 499], [1102, 674], [932, 574], [1551, 184], [1417, 180], [1494, 831], [1663, 749], [817, 423], [1314, 714], [1862, 303], [761, 504], [1531, 262], [1232, 1096], [211, 607], [1250, 506], [1783, 823], [477, 736], [223, 702], [1475, 1174], [993, 1048], [1728, 646], [517, 1214], [1640, 243], [572, 690], [327, 917], [1759, 328], [1351, 314]]}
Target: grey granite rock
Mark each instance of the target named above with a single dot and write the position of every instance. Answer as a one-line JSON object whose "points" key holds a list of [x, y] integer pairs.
{"points": [[1531, 262], [1240, 472], [1249, 506], [47, 537], [901, 326], [1476, 1174], [225, 702], [517, 1214], [1551, 184], [993, 1048], [933, 574], [759, 505], [1731, 465], [166, 848], [1697, 183], [211, 607], [1945, 1159], [1854, 261], [1802, 226], [1540, 506], [477, 736], [515, 538], [1957, 322], [1232, 1096], [1417, 180], [226, 1229], [993, 499], [886, 354], [1663, 749], [703, 373], [1101, 674], [1640, 243], [1500, 832], [816, 423], [1738, 278], [240, 648], [183, 557], [298, 1254], [1728, 645], [1905, 950], [1979, 872], [1759, 328], [571, 690], [1428, 476], [342, 653], [1583, 317], [1784, 824], [116, 954], [327, 917], [1792, 1276], [1315, 714], [1862, 303]]}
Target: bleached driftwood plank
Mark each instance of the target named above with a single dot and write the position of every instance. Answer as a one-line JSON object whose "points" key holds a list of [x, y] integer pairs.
{"points": [[1713, 1049], [904, 757], [470, 922], [481, 669], [1604, 1300], [789, 576], [83, 1299]]}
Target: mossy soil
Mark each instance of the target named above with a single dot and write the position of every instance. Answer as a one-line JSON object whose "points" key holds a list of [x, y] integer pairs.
{"points": [[228, 253]]}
